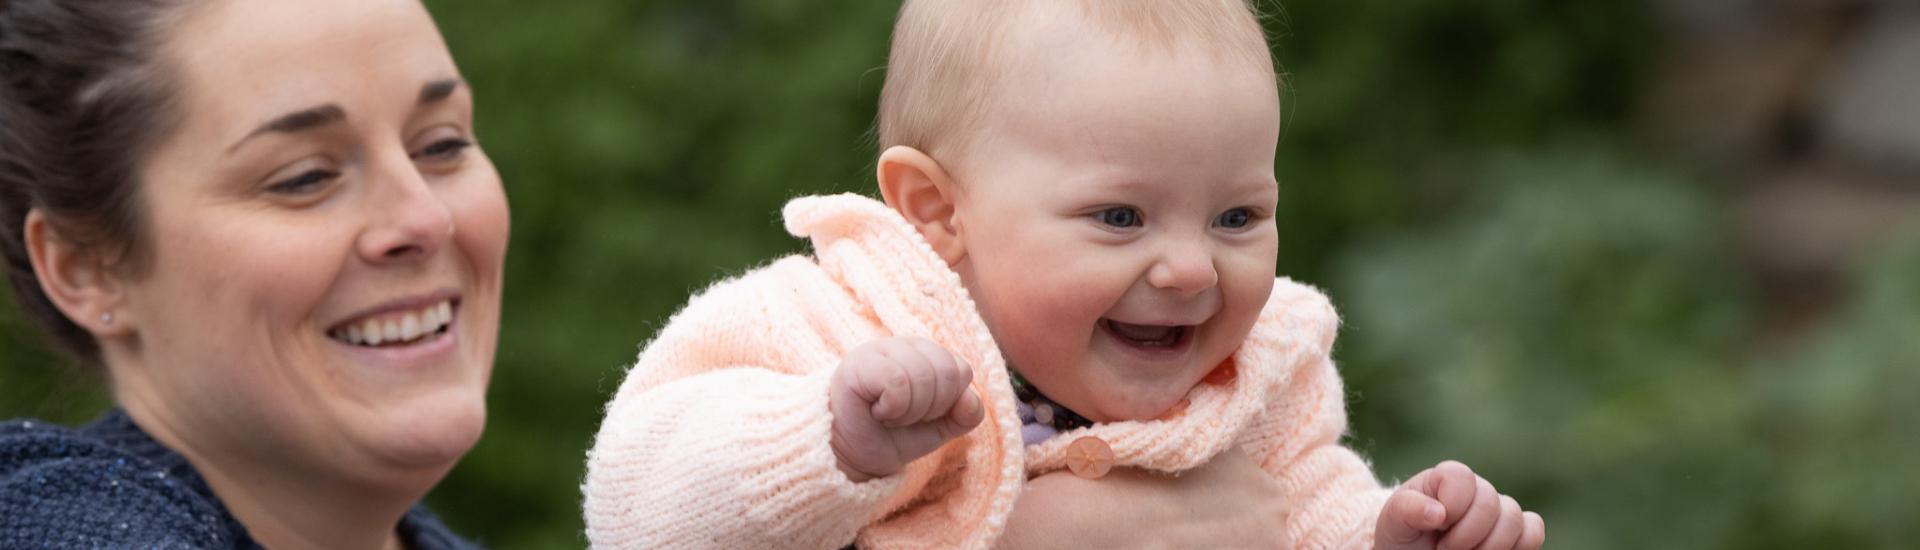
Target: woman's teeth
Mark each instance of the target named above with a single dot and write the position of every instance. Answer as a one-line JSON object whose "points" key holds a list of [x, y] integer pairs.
{"points": [[397, 328]]}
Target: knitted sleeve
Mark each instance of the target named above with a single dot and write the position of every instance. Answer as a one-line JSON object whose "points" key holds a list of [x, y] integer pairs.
{"points": [[61, 490], [719, 437], [1334, 496]]}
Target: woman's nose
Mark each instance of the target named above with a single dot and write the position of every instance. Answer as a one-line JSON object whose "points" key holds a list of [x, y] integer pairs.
{"points": [[409, 220], [1187, 268]]}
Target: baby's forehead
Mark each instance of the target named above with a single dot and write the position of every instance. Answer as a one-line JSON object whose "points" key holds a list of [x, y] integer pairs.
{"points": [[953, 61], [1039, 31], [1103, 81]]}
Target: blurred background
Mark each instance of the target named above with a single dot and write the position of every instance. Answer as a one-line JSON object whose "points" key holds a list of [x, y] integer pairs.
{"points": [[1652, 266]]}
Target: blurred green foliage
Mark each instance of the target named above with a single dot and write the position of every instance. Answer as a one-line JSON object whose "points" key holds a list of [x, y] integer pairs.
{"points": [[1523, 289]]}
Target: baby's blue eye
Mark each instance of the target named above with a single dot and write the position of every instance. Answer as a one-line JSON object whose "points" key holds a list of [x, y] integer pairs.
{"points": [[1235, 218], [1119, 217]]}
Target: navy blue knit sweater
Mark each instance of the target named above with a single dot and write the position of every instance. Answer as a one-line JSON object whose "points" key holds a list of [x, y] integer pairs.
{"points": [[109, 485]]}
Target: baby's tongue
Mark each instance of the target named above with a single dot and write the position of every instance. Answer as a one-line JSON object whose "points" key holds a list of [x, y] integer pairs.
{"points": [[1140, 332]]}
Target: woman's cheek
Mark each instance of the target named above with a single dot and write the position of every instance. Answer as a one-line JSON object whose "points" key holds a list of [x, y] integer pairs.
{"points": [[479, 207]]}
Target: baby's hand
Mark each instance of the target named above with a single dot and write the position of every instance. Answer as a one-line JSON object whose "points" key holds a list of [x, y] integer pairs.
{"points": [[895, 400], [1449, 508]]}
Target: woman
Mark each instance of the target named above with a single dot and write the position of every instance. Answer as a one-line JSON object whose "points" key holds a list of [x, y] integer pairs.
{"points": [[268, 224]]}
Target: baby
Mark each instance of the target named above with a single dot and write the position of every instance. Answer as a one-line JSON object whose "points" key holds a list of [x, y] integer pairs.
{"points": [[1073, 269]]}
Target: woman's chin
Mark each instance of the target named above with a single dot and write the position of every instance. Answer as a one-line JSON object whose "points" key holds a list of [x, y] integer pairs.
{"points": [[431, 433]]}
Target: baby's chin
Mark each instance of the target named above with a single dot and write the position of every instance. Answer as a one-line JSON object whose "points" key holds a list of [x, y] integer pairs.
{"points": [[1157, 410], [1103, 392], [1138, 404]]}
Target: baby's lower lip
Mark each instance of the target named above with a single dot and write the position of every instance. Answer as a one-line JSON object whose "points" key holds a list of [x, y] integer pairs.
{"points": [[1173, 345]]}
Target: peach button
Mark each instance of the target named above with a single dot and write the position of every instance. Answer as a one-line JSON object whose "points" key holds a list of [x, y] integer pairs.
{"points": [[1223, 374], [1089, 457]]}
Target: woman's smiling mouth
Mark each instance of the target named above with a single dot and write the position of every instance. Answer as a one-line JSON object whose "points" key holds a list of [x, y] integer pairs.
{"points": [[395, 328]]}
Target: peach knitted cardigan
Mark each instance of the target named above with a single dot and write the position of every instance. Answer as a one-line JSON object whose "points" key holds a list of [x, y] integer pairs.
{"points": [[719, 436]]}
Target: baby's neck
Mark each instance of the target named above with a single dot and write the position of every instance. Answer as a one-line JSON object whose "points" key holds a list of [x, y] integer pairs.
{"points": [[1037, 410]]}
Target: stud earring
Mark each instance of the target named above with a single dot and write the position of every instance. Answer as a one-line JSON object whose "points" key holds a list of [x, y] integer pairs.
{"points": [[106, 317]]}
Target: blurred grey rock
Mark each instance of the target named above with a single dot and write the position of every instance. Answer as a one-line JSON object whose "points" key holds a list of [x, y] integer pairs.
{"points": [[1819, 222], [1869, 108], [1722, 100], [1740, 72]]}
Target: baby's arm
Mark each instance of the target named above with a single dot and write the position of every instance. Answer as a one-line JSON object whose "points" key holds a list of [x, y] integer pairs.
{"points": [[734, 458], [1339, 505], [1333, 495], [721, 435], [1337, 502]]}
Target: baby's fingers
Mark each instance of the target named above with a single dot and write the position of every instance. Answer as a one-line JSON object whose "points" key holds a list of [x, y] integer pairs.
{"points": [[1534, 532], [1471, 530], [1506, 529], [926, 380], [1407, 518], [967, 413], [1454, 485], [951, 376], [915, 441], [893, 382]]}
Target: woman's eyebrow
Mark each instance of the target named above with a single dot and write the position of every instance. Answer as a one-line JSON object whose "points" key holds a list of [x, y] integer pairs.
{"points": [[438, 90], [297, 121], [310, 118]]}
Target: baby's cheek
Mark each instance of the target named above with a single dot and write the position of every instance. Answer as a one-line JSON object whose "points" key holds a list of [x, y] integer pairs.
{"points": [[1241, 312], [1042, 296], [1053, 327], [1065, 300]]}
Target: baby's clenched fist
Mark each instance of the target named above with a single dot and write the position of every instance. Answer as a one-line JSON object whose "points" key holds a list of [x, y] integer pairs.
{"points": [[895, 400], [1448, 507]]}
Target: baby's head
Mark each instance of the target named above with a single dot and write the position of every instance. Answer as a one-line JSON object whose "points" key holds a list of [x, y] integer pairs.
{"points": [[1100, 174]]}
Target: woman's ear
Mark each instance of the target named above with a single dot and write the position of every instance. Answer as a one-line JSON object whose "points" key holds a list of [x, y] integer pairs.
{"points": [[915, 185], [77, 279]]}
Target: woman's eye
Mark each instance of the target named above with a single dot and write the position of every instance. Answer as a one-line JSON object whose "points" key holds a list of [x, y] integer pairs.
{"points": [[1119, 217], [443, 150], [304, 183], [1235, 218]]}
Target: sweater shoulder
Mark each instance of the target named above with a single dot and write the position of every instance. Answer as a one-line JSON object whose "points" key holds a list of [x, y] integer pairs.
{"points": [[782, 278], [792, 292], [62, 488], [1299, 312]]}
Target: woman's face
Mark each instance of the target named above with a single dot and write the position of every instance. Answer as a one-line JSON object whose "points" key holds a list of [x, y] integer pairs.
{"points": [[325, 243]]}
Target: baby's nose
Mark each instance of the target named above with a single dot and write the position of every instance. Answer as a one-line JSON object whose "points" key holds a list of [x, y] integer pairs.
{"points": [[1188, 270]]}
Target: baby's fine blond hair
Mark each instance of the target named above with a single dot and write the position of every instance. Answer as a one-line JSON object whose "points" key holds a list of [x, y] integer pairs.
{"points": [[948, 55]]}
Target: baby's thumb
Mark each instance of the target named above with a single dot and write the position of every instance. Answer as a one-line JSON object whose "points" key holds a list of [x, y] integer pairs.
{"points": [[966, 414], [1407, 520]]}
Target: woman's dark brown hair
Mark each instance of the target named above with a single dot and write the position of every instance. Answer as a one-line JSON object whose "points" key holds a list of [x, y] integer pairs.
{"points": [[83, 101]]}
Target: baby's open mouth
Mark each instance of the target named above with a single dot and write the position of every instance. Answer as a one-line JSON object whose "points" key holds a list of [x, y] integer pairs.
{"points": [[1147, 336]]}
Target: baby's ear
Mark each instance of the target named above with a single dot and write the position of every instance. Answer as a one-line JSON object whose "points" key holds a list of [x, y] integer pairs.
{"points": [[915, 185]]}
